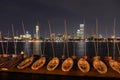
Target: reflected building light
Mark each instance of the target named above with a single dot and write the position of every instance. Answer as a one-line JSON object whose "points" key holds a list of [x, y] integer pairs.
{"points": [[80, 49]]}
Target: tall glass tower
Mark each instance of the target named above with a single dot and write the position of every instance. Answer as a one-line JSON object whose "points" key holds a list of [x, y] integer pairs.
{"points": [[37, 34], [82, 31]]}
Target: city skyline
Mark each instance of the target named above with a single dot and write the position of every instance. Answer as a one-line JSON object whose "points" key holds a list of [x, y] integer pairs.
{"points": [[74, 11]]}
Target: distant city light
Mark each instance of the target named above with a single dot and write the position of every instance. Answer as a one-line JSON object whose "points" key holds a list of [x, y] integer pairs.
{"points": [[78, 30], [81, 25], [27, 32]]}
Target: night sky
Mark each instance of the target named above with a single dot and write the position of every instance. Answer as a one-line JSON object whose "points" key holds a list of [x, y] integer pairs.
{"points": [[56, 11]]}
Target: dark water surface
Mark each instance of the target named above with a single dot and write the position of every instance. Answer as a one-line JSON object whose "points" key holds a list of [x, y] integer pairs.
{"points": [[60, 48]]}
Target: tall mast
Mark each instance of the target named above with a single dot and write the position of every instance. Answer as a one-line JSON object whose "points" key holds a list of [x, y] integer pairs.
{"points": [[114, 37], [7, 42], [107, 44], [65, 30], [13, 39], [38, 36], [96, 43], [51, 38], [2, 45], [66, 37], [97, 34], [84, 38]]}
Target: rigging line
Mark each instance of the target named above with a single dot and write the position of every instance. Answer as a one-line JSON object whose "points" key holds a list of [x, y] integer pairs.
{"points": [[66, 38], [7, 43], [95, 41], [114, 38], [63, 49], [95, 47], [97, 35], [51, 38], [23, 27], [84, 37], [43, 51], [107, 44], [2, 45], [74, 48], [118, 48], [14, 39]]}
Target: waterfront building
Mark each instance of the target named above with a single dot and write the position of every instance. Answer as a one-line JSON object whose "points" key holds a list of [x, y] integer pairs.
{"points": [[7, 38], [113, 36], [82, 31], [59, 37], [79, 33], [37, 33], [65, 36], [100, 36], [52, 36], [26, 36], [16, 37]]}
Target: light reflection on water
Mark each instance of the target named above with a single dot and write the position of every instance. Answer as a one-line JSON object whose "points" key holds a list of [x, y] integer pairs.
{"points": [[80, 51], [37, 48], [34, 48]]}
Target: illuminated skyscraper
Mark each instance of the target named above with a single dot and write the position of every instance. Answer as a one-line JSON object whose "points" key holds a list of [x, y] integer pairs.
{"points": [[37, 35], [80, 32]]}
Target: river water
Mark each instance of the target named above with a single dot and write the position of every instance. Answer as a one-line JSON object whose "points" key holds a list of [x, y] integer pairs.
{"points": [[59, 49]]}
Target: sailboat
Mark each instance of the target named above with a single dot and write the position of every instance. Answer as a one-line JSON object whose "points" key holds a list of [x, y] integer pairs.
{"points": [[115, 65], [97, 63], [54, 62], [27, 61], [41, 61], [83, 64], [68, 62]]}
